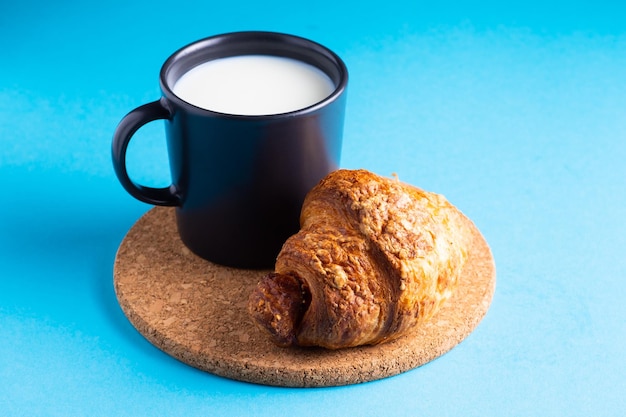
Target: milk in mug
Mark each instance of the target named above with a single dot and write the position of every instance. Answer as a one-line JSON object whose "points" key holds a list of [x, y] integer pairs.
{"points": [[254, 85]]}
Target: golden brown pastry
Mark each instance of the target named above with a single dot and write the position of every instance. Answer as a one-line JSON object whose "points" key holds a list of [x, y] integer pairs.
{"points": [[374, 257]]}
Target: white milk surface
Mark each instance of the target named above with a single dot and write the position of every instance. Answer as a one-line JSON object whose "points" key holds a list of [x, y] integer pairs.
{"points": [[254, 85]]}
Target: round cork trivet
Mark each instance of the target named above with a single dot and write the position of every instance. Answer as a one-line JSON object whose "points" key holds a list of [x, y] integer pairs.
{"points": [[196, 312]]}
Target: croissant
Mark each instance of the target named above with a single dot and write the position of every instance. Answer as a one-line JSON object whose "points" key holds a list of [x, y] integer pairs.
{"points": [[374, 258]]}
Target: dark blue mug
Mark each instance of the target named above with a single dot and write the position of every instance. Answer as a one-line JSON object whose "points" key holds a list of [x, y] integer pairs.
{"points": [[238, 181]]}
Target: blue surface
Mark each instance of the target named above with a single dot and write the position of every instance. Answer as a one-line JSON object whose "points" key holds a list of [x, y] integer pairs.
{"points": [[515, 111]]}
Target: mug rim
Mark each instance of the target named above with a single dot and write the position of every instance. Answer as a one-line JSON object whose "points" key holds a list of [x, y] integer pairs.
{"points": [[253, 43]]}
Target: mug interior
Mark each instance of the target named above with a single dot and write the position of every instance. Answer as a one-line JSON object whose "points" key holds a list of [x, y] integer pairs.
{"points": [[254, 43]]}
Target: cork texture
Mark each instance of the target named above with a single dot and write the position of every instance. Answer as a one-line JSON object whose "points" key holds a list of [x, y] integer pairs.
{"points": [[196, 312]]}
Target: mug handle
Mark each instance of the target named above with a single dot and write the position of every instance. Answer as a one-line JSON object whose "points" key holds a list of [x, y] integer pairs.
{"points": [[138, 117]]}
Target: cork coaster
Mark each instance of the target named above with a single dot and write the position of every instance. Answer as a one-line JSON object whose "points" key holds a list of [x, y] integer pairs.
{"points": [[196, 312]]}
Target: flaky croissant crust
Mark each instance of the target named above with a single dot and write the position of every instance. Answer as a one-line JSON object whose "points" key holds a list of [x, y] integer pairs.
{"points": [[373, 258]]}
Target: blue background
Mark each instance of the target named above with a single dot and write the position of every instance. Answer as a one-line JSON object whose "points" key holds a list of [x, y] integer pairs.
{"points": [[516, 111]]}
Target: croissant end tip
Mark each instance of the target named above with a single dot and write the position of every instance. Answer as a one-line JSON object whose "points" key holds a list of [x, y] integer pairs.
{"points": [[277, 306]]}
